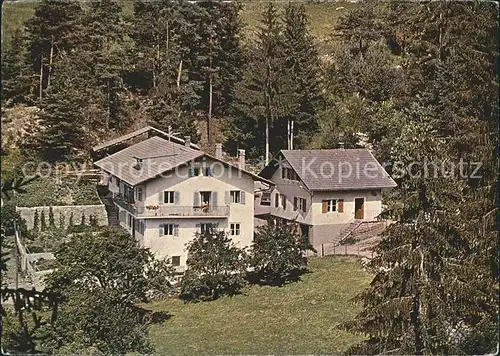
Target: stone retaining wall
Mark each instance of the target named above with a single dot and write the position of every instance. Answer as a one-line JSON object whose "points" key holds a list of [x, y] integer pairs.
{"points": [[98, 211]]}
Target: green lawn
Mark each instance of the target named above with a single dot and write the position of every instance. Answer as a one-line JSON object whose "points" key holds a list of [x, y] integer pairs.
{"points": [[300, 318]]}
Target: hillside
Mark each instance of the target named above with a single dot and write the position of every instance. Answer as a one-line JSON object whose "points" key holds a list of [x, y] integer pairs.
{"points": [[323, 17]]}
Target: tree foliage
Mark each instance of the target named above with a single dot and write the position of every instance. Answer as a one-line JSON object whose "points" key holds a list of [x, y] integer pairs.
{"points": [[215, 267], [277, 254]]}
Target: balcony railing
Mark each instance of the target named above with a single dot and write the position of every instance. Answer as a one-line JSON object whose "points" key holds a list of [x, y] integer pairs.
{"points": [[183, 211]]}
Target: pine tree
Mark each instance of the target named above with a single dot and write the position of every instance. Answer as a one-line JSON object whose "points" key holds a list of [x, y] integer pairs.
{"points": [[16, 73], [106, 43], [52, 223], [53, 30], [63, 116], [302, 61], [36, 221], [43, 222], [267, 93]]}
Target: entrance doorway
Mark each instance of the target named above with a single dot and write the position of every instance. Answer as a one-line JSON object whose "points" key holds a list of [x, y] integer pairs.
{"points": [[359, 208]]}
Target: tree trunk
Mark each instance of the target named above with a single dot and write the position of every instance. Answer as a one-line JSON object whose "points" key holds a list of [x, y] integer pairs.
{"points": [[179, 72], [40, 89], [209, 117], [108, 114], [50, 60], [267, 94]]}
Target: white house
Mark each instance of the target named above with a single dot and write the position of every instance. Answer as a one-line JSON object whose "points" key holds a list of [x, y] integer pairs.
{"points": [[324, 191], [166, 192]]}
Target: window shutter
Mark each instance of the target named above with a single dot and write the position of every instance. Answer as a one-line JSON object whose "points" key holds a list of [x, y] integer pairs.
{"points": [[340, 206], [227, 197], [196, 199], [242, 197], [162, 230], [161, 197], [177, 198], [295, 204], [176, 230], [304, 206], [214, 198], [325, 206]]}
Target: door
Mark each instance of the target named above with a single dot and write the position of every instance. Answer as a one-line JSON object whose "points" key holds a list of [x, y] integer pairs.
{"points": [[359, 208]]}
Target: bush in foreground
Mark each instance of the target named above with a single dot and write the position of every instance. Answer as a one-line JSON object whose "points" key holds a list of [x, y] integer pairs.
{"points": [[277, 254], [216, 267]]}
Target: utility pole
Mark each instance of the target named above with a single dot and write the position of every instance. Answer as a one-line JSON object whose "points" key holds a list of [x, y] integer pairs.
{"points": [[291, 135]]}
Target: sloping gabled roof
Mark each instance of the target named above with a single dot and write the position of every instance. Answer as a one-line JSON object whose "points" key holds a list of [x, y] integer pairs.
{"points": [[156, 156], [334, 169], [131, 135]]}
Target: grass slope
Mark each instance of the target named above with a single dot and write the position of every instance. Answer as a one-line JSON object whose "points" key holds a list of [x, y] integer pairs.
{"points": [[299, 318]]}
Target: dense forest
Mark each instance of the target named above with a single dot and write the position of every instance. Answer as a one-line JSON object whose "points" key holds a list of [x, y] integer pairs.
{"points": [[412, 81]]}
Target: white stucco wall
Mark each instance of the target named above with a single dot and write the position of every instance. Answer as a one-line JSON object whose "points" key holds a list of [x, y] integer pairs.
{"points": [[372, 206], [290, 189], [223, 180]]}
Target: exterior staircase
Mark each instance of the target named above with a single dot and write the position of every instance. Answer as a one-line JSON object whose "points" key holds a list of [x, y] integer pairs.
{"points": [[107, 200], [347, 231]]}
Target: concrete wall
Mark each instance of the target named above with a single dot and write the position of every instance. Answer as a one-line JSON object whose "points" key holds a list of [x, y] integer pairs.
{"points": [[98, 211]]}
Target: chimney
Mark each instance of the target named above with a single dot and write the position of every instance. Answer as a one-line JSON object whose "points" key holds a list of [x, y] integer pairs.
{"points": [[187, 141], [241, 159], [218, 151]]}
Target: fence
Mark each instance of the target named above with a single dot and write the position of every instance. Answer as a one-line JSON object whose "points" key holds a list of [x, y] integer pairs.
{"points": [[358, 250], [27, 260]]}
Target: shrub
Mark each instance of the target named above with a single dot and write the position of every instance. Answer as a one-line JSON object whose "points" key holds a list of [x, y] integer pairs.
{"points": [[52, 223], [216, 267], [43, 223], [277, 254]]}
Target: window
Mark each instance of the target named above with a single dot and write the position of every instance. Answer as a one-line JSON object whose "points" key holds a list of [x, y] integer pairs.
{"points": [[333, 205], [130, 220], [276, 200], [139, 226], [194, 171], [117, 182], [300, 204], [139, 194], [207, 172], [206, 228], [176, 261], [168, 229], [266, 199], [288, 173], [235, 196], [168, 197], [235, 229], [205, 198], [110, 179], [283, 201]]}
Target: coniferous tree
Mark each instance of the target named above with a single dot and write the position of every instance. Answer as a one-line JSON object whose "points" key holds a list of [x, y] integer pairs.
{"points": [[51, 218], [63, 115], [53, 30], [43, 222], [36, 221], [106, 43], [302, 61], [267, 93], [16, 73]]}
